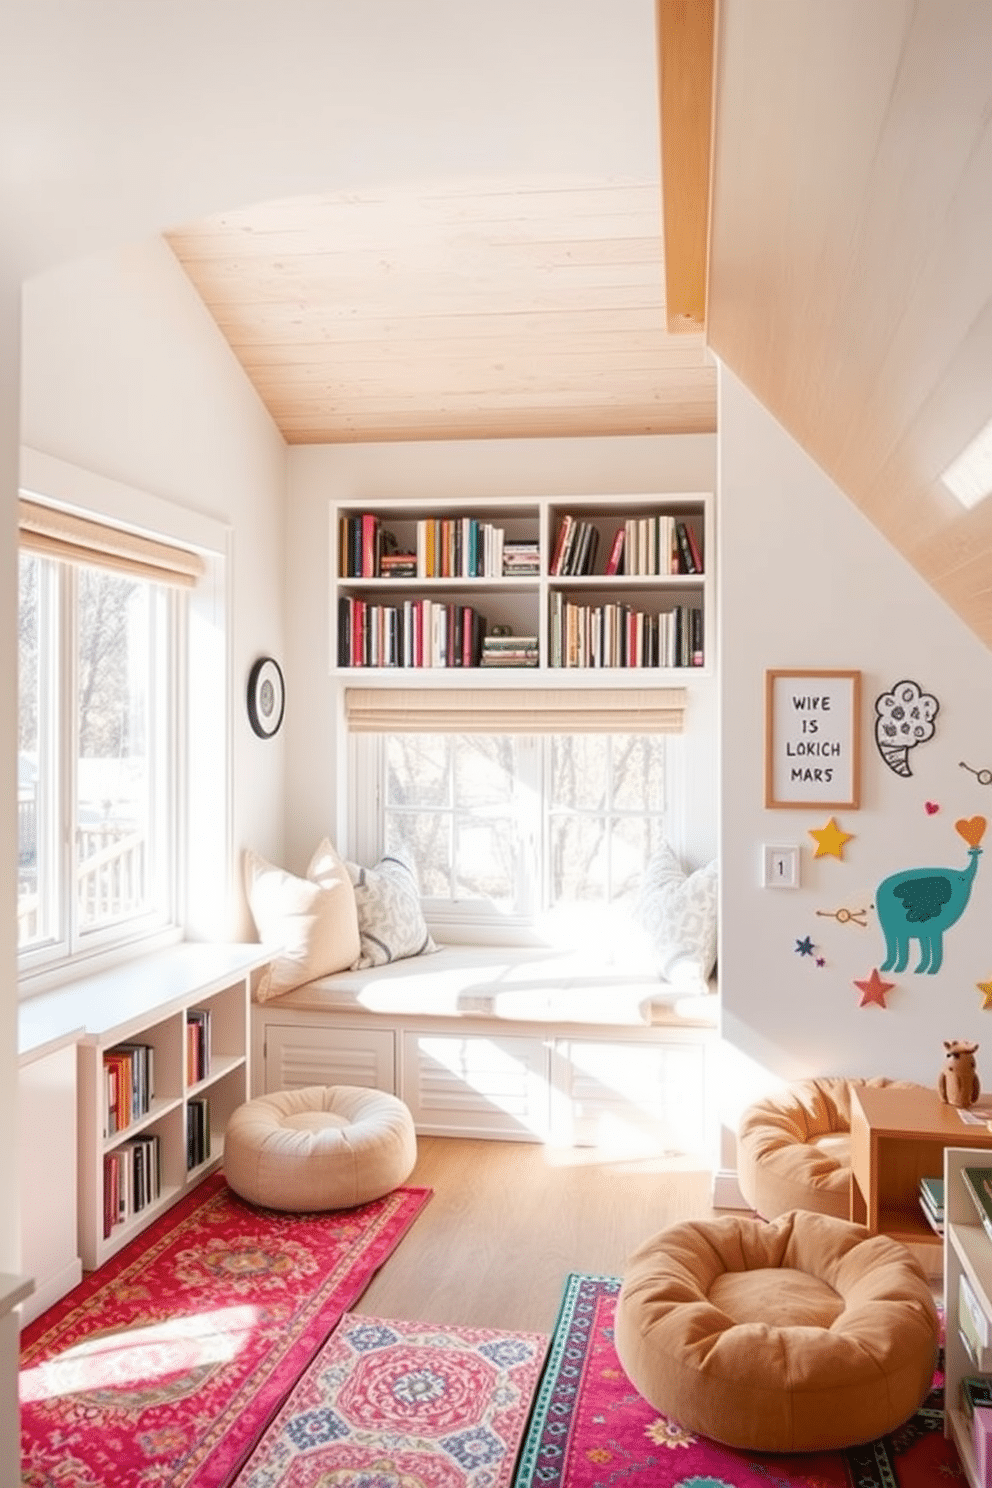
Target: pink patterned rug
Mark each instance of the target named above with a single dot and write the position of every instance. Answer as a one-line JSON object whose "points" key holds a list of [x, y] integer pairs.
{"points": [[163, 1367], [403, 1405], [591, 1429]]}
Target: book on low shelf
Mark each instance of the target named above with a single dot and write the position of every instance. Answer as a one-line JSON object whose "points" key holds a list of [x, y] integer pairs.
{"points": [[932, 1202], [978, 1182]]}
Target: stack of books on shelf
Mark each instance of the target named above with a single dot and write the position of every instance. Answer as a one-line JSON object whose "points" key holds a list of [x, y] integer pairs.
{"points": [[509, 651], [618, 635], [978, 1183], [416, 633], [575, 547], [131, 1180], [932, 1202], [128, 1085], [398, 566], [197, 1132], [521, 557], [197, 1044]]}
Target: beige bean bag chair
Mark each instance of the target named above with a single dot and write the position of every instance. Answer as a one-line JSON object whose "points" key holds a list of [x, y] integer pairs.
{"points": [[794, 1148], [804, 1334], [323, 1147]]}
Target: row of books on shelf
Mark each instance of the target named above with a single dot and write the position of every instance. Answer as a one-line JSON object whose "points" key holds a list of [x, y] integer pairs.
{"points": [[132, 1179], [618, 635], [197, 1044], [446, 548], [416, 633], [128, 1085], [649, 546], [197, 1132]]}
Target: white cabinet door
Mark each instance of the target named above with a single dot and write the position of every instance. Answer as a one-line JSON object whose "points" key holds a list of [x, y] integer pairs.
{"points": [[476, 1085]]}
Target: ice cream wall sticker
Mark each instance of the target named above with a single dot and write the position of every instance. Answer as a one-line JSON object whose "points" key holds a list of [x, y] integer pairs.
{"points": [[905, 717]]}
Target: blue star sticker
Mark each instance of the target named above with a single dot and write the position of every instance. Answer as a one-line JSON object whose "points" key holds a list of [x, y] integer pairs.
{"points": [[804, 947]]}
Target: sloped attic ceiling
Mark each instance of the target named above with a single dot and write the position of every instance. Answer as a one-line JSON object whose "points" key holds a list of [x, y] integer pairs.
{"points": [[850, 273]]}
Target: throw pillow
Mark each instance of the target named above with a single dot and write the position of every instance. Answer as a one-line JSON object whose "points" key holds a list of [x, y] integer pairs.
{"points": [[678, 912], [390, 920], [313, 927]]}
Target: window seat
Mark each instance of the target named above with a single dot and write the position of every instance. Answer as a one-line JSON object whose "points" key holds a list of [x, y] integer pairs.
{"points": [[523, 1043], [521, 984]]}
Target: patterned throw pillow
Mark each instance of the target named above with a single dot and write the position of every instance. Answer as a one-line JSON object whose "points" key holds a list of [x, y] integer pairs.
{"points": [[678, 912], [390, 921], [312, 926]]}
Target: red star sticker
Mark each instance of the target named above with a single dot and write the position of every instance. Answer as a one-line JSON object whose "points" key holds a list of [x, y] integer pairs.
{"points": [[874, 990]]}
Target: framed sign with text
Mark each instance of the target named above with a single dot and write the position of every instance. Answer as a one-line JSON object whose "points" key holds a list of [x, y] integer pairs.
{"points": [[811, 739]]}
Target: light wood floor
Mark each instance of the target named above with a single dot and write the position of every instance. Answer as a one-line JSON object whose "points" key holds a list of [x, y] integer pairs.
{"points": [[508, 1221]]}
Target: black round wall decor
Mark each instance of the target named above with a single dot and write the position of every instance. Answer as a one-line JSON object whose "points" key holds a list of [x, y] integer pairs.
{"points": [[266, 697]]}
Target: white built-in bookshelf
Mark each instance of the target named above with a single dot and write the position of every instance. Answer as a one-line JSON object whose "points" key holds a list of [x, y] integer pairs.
{"points": [[967, 1253], [554, 586], [134, 1020]]}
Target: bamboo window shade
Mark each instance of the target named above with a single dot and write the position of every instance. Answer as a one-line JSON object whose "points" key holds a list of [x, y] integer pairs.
{"points": [[435, 710], [74, 539]]}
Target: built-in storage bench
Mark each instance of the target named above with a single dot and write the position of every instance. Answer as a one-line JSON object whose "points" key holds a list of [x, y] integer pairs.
{"points": [[518, 1044]]}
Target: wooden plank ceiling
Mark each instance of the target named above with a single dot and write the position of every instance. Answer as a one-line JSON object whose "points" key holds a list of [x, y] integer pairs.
{"points": [[850, 275], [458, 312]]}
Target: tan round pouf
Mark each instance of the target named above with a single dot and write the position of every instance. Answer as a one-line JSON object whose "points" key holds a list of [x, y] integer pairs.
{"points": [[794, 1147], [801, 1335], [323, 1147]]}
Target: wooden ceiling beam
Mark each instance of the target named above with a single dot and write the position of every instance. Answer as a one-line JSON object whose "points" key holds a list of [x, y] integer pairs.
{"points": [[685, 34]]}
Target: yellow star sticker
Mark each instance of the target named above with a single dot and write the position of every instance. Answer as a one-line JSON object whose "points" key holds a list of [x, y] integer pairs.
{"points": [[830, 840], [986, 989]]}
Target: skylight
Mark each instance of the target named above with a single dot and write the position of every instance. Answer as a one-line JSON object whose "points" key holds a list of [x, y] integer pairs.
{"points": [[969, 477]]}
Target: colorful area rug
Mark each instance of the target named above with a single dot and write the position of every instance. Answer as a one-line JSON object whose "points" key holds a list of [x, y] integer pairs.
{"points": [[590, 1428], [164, 1366], [403, 1405]]}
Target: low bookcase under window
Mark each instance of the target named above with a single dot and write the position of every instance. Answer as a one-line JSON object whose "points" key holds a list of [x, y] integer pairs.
{"points": [[587, 583], [162, 1065]]}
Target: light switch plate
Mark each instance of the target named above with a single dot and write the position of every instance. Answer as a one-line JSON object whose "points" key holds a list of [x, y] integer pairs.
{"points": [[780, 866]]}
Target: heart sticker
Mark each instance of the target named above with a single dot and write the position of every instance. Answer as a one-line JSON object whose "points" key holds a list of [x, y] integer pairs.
{"points": [[931, 807], [972, 829]]}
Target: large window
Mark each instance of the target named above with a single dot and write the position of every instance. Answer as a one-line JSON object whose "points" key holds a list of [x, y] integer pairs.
{"points": [[97, 757], [517, 826]]}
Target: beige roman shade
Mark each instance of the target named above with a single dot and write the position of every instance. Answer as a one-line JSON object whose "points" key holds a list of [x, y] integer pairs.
{"points": [[75, 539], [504, 710]]}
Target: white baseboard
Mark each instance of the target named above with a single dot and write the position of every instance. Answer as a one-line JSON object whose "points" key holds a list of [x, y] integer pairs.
{"points": [[726, 1191]]}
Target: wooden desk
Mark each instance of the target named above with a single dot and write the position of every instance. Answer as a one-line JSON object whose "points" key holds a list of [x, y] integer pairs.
{"points": [[897, 1138]]}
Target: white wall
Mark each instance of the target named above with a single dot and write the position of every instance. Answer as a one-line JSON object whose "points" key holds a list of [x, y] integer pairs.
{"points": [[125, 375], [805, 581], [435, 472]]}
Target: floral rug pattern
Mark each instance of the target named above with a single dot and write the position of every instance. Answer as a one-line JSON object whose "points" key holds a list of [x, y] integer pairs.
{"points": [[163, 1367], [403, 1405], [591, 1429]]}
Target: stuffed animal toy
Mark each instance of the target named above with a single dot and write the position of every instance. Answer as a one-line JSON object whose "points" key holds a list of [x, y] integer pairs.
{"points": [[958, 1082]]}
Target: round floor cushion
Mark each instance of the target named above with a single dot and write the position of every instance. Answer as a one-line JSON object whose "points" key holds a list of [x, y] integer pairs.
{"points": [[800, 1335], [322, 1147], [794, 1147]]}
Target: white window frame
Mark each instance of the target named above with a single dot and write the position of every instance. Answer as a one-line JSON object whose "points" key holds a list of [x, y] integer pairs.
{"points": [[204, 880], [467, 922]]}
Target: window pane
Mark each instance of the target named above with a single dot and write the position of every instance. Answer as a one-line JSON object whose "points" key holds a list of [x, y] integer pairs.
{"points": [[36, 795], [418, 770], [424, 839], [484, 771], [486, 859], [639, 772], [114, 766], [579, 766]]}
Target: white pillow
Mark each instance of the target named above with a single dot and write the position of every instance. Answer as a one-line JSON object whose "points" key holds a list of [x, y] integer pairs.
{"points": [[390, 920], [312, 926], [678, 912]]}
